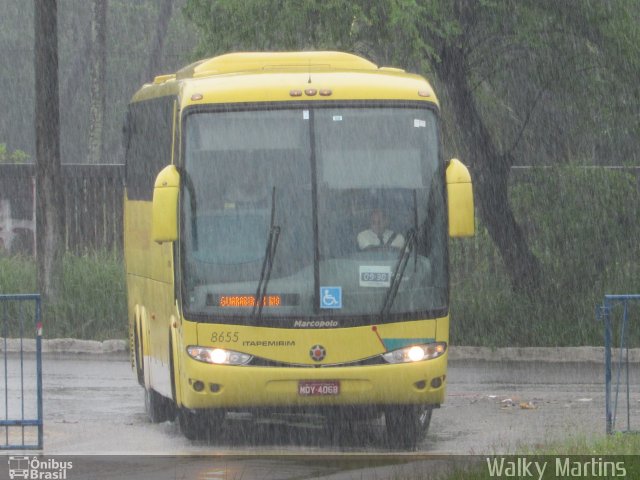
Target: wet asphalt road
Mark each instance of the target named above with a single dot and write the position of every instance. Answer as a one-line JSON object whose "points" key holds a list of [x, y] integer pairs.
{"points": [[93, 406]]}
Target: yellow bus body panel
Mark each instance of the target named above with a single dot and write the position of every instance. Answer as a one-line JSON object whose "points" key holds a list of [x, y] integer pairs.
{"points": [[254, 77], [280, 78], [254, 387], [150, 293], [277, 87], [293, 345]]}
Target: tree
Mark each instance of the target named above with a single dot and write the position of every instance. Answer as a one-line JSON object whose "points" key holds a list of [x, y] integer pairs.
{"points": [[517, 79], [16, 49], [49, 193], [98, 80], [131, 30], [491, 166], [390, 31], [157, 43], [17, 156]]}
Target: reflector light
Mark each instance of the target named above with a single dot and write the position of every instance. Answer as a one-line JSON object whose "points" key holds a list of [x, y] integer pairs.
{"points": [[424, 93], [295, 93], [196, 96], [310, 92], [198, 386], [325, 92]]}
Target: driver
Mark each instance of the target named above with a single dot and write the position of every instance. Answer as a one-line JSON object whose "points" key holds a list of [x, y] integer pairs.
{"points": [[378, 235], [247, 190]]}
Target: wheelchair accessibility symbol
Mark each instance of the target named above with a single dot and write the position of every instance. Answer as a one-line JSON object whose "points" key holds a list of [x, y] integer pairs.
{"points": [[330, 297]]}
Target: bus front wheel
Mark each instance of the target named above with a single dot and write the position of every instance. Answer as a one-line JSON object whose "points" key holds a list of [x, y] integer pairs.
{"points": [[159, 409], [407, 425], [200, 424]]}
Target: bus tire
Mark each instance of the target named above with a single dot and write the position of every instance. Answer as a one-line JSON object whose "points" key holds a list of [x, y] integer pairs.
{"points": [[338, 426], [190, 424], [159, 409], [407, 425], [200, 424], [138, 355]]}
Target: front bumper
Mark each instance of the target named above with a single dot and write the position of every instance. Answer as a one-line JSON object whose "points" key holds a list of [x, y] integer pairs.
{"points": [[245, 387]]}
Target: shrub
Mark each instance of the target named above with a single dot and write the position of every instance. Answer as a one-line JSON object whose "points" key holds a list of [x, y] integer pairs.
{"points": [[583, 226], [93, 304]]}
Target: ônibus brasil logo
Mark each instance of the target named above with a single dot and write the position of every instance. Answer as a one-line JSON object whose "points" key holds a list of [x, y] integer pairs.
{"points": [[35, 468]]}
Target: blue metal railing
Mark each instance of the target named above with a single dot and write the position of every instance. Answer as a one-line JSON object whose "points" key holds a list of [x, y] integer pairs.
{"points": [[604, 312], [14, 315]]}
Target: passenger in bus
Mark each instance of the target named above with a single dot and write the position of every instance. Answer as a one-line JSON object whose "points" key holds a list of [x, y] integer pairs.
{"points": [[247, 191], [378, 235]]}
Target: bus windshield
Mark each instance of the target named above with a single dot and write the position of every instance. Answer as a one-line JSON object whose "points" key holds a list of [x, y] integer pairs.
{"points": [[345, 188]]}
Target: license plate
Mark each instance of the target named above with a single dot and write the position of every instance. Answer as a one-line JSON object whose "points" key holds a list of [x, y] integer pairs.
{"points": [[310, 388]]}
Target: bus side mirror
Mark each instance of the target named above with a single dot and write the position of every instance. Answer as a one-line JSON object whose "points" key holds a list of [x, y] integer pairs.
{"points": [[460, 200], [164, 211]]}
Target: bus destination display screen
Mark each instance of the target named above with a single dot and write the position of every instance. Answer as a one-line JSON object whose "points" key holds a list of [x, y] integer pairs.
{"points": [[243, 300]]}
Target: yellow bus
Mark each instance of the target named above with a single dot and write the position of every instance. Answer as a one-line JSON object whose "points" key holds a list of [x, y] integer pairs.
{"points": [[286, 225]]}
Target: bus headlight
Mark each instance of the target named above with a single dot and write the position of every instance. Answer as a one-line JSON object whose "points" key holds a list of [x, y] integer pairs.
{"points": [[218, 356], [416, 353]]}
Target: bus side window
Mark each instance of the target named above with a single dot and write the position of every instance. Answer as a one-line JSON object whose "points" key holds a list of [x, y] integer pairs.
{"points": [[148, 137]]}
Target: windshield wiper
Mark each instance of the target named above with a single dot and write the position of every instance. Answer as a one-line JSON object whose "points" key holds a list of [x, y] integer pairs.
{"points": [[267, 263], [398, 273]]}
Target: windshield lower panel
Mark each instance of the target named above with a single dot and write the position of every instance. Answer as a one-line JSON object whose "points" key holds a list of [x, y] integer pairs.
{"points": [[374, 249]]}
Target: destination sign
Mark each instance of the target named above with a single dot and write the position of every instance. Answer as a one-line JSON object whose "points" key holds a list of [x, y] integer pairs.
{"points": [[243, 300]]}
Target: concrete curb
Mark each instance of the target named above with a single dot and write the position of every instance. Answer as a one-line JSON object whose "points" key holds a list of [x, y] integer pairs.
{"points": [[540, 354], [456, 353], [66, 345]]}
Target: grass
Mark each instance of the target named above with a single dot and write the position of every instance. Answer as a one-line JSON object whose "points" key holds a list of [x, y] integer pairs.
{"points": [[616, 444], [93, 304], [615, 448]]}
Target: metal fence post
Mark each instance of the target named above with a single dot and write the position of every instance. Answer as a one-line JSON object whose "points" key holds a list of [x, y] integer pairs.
{"points": [[607, 366], [22, 422], [604, 313]]}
